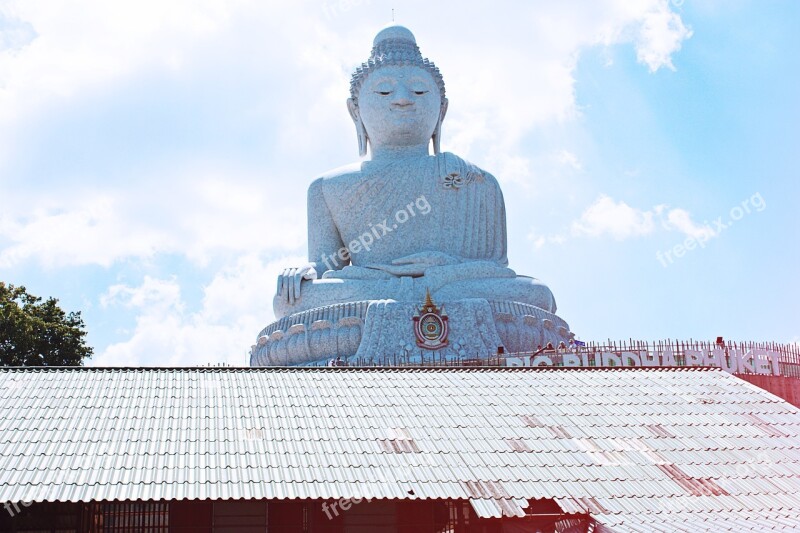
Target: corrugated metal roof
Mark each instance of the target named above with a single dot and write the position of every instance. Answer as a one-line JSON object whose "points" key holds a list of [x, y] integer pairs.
{"points": [[641, 450], [498, 508]]}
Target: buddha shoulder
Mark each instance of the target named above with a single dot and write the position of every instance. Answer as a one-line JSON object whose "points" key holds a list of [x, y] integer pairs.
{"points": [[334, 180], [458, 172], [339, 176]]}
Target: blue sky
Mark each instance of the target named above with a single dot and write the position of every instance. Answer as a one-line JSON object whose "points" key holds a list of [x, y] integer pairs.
{"points": [[154, 157]]}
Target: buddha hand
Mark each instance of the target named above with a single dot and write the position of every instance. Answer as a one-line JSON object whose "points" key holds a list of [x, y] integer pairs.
{"points": [[290, 279], [416, 264]]}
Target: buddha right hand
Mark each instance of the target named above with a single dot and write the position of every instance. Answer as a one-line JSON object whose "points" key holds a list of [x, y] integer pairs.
{"points": [[290, 279]]}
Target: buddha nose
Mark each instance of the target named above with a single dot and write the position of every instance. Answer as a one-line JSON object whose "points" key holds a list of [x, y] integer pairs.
{"points": [[402, 97]]}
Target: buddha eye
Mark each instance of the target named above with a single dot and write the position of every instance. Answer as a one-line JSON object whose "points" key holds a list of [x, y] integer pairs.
{"points": [[420, 93], [383, 88]]}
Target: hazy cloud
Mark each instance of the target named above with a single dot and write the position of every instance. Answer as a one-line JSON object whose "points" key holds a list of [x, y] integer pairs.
{"points": [[187, 132], [607, 217], [680, 220], [235, 306], [617, 219]]}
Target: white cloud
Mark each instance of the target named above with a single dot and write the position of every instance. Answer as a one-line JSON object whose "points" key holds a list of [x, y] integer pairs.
{"points": [[655, 30], [14, 33], [512, 168], [540, 240], [92, 232], [213, 215], [659, 37], [252, 95], [237, 303], [80, 47], [71, 53], [157, 295], [536, 238], [567, 158], [617, 219], [680, 219], [621, 221]]}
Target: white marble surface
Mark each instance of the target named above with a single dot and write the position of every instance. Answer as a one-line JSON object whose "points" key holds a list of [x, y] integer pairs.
{"points": [[405, 221]]}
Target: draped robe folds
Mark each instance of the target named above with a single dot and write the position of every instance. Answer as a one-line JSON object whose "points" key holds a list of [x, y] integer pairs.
{"points": [[384, 212], [397, 230]]}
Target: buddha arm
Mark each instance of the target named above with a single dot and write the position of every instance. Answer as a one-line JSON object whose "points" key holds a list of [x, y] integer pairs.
{"points": [[324, 241], [498, 234]]}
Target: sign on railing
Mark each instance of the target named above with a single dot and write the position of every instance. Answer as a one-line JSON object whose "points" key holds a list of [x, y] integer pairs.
{"points": [[766, 358], [752, 361]]}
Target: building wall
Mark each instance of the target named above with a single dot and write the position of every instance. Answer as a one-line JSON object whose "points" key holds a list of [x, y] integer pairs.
{"points": [[781, 386], [259, 516]]}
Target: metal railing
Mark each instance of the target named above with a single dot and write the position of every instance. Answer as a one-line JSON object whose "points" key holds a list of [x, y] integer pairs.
{"points": [[788, 355]]}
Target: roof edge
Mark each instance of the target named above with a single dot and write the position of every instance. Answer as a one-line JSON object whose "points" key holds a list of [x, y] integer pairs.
{"points": [[362, 368]]}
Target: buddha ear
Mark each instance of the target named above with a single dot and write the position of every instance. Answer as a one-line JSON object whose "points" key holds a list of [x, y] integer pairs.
{"points": [[361, 131], [437, 131]]}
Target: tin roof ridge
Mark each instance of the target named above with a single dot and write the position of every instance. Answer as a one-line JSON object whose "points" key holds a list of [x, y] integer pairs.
{"points": [[362, 368]]}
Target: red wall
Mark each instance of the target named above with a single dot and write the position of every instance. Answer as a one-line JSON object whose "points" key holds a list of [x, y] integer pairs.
{"points": [[190, 515], [786, 388], [285, 516]]}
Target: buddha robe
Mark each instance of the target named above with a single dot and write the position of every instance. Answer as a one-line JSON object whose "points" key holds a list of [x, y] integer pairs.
{"points": [[383, 212]]}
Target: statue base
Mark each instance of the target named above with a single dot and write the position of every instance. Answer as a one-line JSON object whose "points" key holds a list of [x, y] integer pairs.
{"points": [[374, 331]]}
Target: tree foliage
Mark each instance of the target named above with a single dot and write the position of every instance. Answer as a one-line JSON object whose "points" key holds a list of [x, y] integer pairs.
{"points": [[34, 332]]}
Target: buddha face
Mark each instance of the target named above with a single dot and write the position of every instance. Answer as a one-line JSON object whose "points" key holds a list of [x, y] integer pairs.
{"points": [[399, 106]]}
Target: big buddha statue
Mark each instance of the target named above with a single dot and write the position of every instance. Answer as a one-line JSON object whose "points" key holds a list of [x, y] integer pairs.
{"points": [[407, 248]]}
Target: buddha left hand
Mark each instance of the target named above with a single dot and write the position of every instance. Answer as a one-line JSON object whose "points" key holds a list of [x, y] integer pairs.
{"points": [[290, 280]]}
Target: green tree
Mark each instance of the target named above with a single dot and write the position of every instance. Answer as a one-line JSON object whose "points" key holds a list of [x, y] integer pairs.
{"points": [[39, 333]]}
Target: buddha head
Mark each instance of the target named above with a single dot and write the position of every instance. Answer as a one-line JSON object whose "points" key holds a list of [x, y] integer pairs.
{"points": [[397, 98]]}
